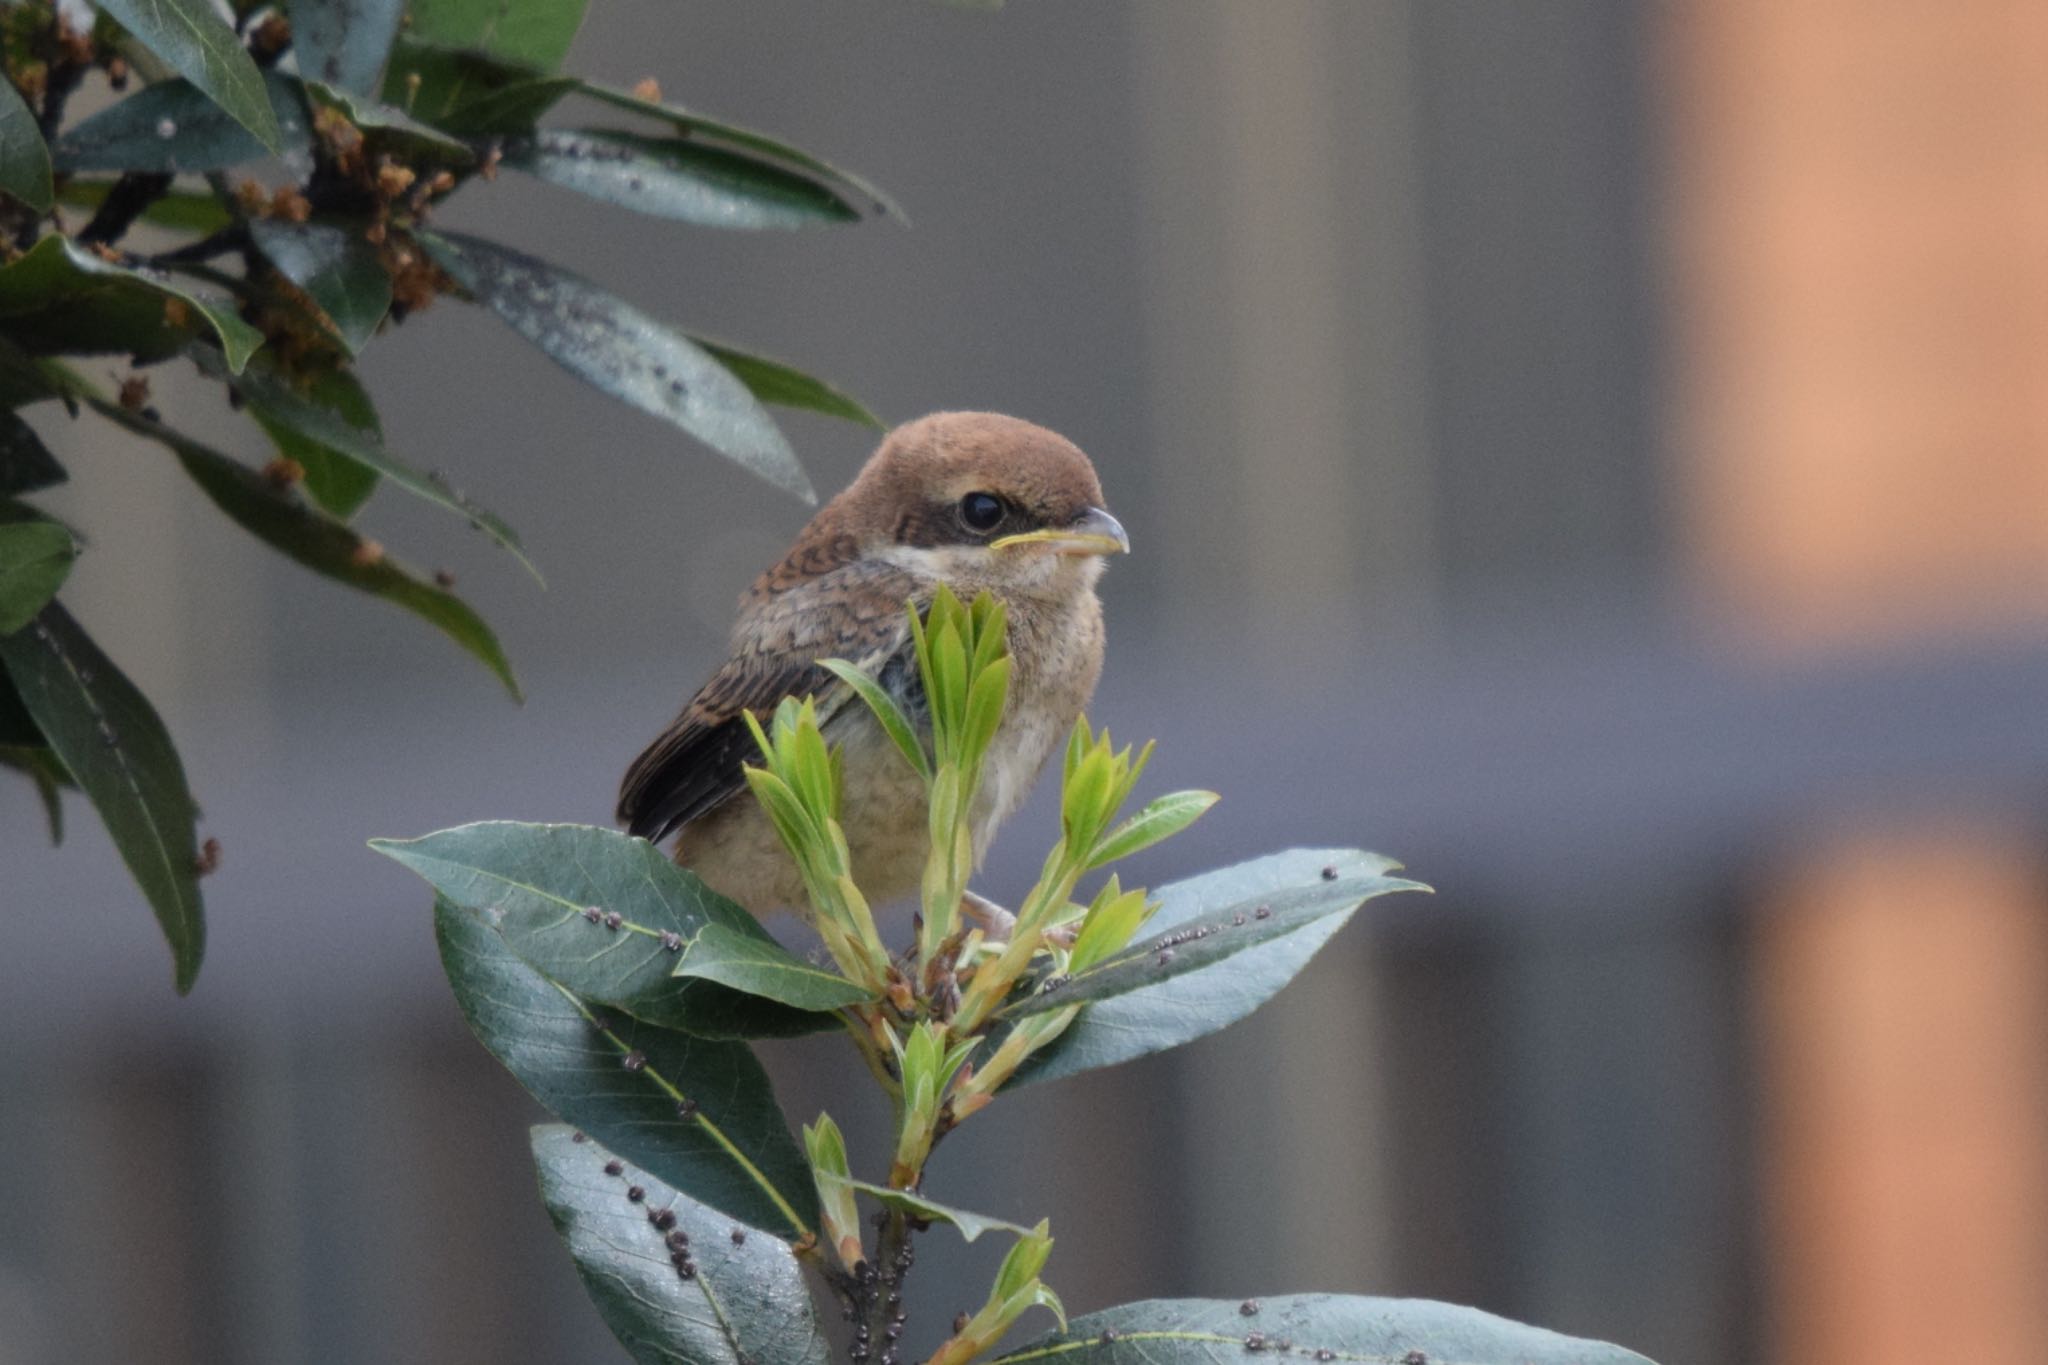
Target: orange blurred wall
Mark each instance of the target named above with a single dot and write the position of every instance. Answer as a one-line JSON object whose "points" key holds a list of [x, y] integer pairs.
{"points": [[1858, 222]]}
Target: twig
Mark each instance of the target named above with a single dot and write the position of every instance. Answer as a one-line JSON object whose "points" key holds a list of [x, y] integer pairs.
{"points": [[128, 200], [233, 237], [880, 1323]]}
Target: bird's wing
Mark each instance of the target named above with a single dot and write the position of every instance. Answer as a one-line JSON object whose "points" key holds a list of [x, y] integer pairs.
{"points": [[854, 613]]}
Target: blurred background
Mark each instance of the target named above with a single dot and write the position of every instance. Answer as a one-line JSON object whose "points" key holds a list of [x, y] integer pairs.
{"points": [[1596, 452]]}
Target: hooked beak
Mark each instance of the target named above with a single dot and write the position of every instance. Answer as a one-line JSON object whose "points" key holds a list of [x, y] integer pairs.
{"points": [[1094, 532]]}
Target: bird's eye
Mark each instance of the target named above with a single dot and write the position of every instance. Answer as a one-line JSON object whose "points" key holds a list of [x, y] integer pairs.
{"points": [[981, 511]]}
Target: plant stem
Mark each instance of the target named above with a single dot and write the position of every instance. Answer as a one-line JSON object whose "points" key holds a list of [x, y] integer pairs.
{"points": [[879, 1327], [131, 195]]}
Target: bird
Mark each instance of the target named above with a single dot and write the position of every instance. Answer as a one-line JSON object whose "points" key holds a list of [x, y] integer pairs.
{"points": [[977, 501]]}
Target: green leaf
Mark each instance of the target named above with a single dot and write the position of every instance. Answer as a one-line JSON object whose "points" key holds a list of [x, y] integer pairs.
{"points": [[732, 1151], [197, 44], [970, 1225], [1340, 1327], [178, 210], [1183, 1008], [336, 267], [338, 482], [386, 129], [314, 539], [1160, 820], [675, 178], [343, 43], [35, 559], [173, 127], [894, 723], [1174, 950], [60, 298], [714, 130], [537, 884], [24, 157], [762, 967], [110, 739], [277, 404], [743, 1300], [440, 85], [26, 464], [513, 107], [608, 343], [771, 381], [532, 33]]}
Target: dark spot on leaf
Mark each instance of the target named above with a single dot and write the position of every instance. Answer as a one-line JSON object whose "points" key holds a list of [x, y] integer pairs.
{"points": [[1165, 956], [592, 913], [672, 940], [678, 1240], [578, 1137], [614, 1168], [663, 1219], [1263, 912], [739, 1236], [1415, 1358], [686, 1109], [1249, 1307], [1255, 1341], [633, 1060], [1330, 873], [1108, 1335], [635, 1193], [614, 920], [1238, 919]]}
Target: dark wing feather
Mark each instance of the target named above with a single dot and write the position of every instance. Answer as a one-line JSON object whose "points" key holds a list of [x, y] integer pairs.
{"points": [[695, 766]]}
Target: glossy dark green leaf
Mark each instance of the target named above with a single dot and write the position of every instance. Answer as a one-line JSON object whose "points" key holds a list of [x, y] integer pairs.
{"points": [[60, 298], [112, 742], [512, 107], [613, 346], [1194, 1005], [438, 85], [47, 775], [197, 43], [35, 559], [387, 129], [676, 178], [969, 1225], [1332, 1327], [179, 210], [337, 482], [26, 464], [539, 884], [24, 157], [338, 269], [1161, 954], [756, 965], [718, 1301], [732, 1151], [531, 33], [771, 381], [303, 533], [343, 43], [173, 127], [745, 139]]}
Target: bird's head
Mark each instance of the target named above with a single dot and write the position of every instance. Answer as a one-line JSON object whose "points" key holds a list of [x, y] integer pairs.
{"points": [[981, 500]]}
